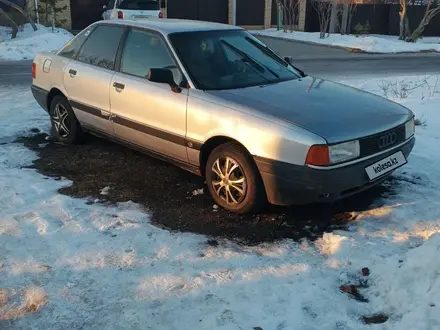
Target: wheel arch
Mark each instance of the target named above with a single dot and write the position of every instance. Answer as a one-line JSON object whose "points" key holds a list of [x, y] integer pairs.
{"points": [[212, 143], [52, 93]]}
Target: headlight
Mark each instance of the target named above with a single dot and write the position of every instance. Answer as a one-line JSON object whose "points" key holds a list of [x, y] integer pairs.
{"points": [[409, 128], [344, 151]]}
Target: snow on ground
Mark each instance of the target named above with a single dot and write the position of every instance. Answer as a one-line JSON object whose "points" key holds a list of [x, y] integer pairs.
{"points": [[30, 42], [93, 266], [373, 43]]}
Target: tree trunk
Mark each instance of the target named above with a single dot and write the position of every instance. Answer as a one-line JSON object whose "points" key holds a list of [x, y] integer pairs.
{"points": [[344, 19], [11, 22], [21, 11], [334, 17], [407, 30], [430, 13], [323, 29], [402, 23], [349, 24]]}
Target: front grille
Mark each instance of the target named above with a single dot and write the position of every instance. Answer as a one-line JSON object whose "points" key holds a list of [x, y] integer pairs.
{"points": [[382, 141]]}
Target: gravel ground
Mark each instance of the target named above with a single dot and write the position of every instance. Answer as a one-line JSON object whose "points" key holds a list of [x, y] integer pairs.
{"points": [[167, 192]]}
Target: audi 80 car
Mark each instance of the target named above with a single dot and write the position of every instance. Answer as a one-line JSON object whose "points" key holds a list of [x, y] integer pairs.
{"points": [[216, 101]]}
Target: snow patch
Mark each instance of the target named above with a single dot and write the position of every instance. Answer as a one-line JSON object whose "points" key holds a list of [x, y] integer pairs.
{"points": [[331, 244], [197, 192], [408, 286], [29, 42], [105, 191]]}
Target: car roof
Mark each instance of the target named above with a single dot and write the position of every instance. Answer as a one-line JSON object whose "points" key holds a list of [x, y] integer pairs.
{"points": [[167, 26]]}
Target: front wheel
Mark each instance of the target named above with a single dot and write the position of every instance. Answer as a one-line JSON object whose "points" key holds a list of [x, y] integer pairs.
{"points": [[233, 179]]}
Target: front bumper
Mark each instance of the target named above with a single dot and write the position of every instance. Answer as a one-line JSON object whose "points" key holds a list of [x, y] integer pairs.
{"points": [[288, 184], [40, 96]]}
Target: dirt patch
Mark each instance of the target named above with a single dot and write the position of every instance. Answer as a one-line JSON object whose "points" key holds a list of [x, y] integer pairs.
{"points": [[375, 319], [167, 192]]}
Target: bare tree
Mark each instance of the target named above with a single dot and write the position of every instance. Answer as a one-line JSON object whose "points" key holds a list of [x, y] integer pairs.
{"points": [[334, 17], [290, 11], [324, 10], [344, 19], [21, 11], [11, 23], [404, 22], [352, 5], [429, 14]]}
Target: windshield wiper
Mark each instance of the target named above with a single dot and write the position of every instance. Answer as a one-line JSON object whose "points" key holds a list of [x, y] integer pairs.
{"points": [[250, 59], [269, 52]]}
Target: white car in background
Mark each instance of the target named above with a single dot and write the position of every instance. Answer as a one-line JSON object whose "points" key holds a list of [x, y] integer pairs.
{"points": [[132, 9]]}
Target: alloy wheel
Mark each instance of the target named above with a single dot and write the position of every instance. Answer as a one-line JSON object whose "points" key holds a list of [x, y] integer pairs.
{"points": [[61, 121], [228, 180]]}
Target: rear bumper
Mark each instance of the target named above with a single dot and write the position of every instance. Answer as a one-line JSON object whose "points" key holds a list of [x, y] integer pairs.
{"points": [[40, 96], [288, 184]]}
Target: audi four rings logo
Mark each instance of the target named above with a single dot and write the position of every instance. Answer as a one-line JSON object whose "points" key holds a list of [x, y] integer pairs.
{"points": [[387, 140]]}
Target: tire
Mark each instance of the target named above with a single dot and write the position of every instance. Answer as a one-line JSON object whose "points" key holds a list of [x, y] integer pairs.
{"points": [[243, 174], [65, 127]]}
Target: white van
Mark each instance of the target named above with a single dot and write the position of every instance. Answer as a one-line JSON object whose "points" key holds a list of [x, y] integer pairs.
{"points": [[132, 9]]}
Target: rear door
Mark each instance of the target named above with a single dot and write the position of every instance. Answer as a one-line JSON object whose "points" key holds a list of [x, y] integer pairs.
{"points": [[145, 113], [87, 77], [139, 9]]}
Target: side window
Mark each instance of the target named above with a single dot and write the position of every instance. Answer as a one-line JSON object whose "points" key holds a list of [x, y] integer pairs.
{"points": [[71, 49], [101, 47], [143, 51]]}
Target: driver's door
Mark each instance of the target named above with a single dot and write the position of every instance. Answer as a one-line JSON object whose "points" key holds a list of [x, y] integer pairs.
{"points": [[144, 113]]}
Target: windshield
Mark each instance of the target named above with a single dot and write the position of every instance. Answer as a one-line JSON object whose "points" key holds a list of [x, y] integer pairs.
{"points": [[229, 59], [139, 4]]}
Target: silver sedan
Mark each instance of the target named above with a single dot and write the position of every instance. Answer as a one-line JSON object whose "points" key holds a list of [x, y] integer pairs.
{"points": [[214, 100]]}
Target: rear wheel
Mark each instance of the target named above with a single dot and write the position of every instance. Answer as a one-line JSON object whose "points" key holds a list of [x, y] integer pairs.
{"points": [[233, 179], [65, 126]]}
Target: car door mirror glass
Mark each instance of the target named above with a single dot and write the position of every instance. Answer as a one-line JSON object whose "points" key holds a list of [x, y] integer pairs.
{"points": [[163, 76]]}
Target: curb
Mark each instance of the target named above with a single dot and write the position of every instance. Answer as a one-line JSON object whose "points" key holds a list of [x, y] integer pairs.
{"points": [[348, 49]]}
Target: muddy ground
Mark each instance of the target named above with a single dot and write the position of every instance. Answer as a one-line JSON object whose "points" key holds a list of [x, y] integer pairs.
{"points": [[167, 192]]}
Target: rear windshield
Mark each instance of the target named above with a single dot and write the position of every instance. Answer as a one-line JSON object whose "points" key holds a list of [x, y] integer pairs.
{"points": [[140, 4]]}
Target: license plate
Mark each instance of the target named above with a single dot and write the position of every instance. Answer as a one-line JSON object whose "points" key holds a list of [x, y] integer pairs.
{"points": [[386, 165], [143, 16]]}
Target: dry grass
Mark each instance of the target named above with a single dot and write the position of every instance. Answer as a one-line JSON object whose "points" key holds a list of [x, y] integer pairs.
{"points": [[401, 89], [34, 299], [3, 297]]}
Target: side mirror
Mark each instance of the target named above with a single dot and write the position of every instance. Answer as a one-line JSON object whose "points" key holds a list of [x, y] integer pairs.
{"points": [[289, 59], [104, 7], [163, 76]]}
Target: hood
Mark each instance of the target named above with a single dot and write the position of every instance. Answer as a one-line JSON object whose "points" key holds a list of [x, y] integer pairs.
{"points": [[331, 110]]}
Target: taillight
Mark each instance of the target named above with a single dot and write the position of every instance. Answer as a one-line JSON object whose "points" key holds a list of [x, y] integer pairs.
{"points": [[160, 15], [120, 15], [318, 155], [34, 71]]}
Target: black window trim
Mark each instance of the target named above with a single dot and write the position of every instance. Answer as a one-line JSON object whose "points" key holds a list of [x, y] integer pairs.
{"points": [[124, 27], [184, 83], [92, 28]]}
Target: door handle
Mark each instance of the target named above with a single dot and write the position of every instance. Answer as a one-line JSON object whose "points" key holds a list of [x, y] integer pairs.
{"points": [[72, 73], [119, 87]]}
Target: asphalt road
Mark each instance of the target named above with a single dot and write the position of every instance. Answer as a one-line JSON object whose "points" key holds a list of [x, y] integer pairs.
{"points": [[14, 73], [329, 62], [315, 60]]}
